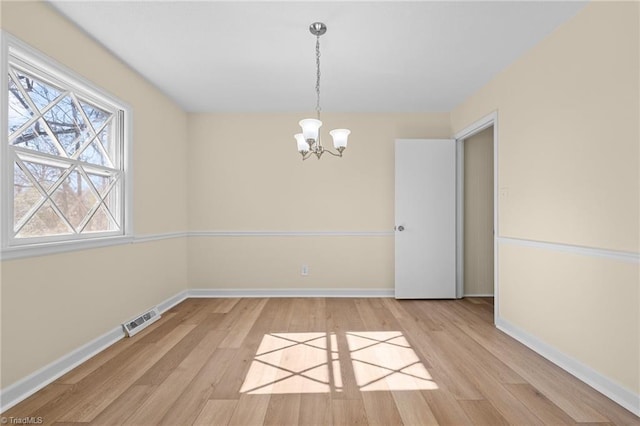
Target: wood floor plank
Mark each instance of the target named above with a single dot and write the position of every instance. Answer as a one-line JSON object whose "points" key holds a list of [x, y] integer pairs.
{"points": [[540, 405], [375, 314], [241, 328], [440, 363], [482, 412], [321, 362], [32, 404], [423, 311], [237, 312], [216, 412], [157, 331], [467, 313], [381, 408], [159, 402], [308, 315], [413, 408], [283, 409], [445, 371], [96, 391], [482, 304], [315, 409], [66, 400], [283, 317], [250, 411], [582, 402], [572, 396], [202, 314], [508, 405], [446, 409], [92, 364], [476, 355], [235, 373], [347, 412], [170, 361], [124, 406], [195, 396], [111, 389], [225, 305], [411, 327], [609, 409], [340, 316]]}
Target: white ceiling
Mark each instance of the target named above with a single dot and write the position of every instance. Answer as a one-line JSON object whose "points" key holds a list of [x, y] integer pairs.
{"points": [[383, 56]]}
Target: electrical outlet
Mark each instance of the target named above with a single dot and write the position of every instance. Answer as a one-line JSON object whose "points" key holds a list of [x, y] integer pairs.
{"points": [[304, 271]]}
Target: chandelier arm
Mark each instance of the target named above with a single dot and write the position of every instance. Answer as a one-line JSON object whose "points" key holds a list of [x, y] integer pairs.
{"points": [[339, 154]]}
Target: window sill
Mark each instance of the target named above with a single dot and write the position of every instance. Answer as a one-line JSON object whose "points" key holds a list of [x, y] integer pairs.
{"points": [[33, 250]]}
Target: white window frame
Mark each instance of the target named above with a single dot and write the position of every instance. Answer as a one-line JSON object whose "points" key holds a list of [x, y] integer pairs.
{"points": [[16, 51]]}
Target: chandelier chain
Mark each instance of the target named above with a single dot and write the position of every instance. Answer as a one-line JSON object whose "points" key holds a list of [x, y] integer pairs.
{"points": [[309, 141], [318, 76]]}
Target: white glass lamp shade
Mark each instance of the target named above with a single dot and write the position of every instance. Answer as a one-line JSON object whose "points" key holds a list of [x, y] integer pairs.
{"points": [[303, 146], [340, 137], [310, 127]]}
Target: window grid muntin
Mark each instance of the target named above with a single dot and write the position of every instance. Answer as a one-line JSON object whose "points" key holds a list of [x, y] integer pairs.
{"points": [[38, 115], [112, 201], [115, 212], [78, 100]]}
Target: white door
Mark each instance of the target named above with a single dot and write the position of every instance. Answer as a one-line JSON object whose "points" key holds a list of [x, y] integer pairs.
{"points": [[425, 237]]}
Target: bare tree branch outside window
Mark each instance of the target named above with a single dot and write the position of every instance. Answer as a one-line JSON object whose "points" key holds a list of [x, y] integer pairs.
{"points": [[66, 171]]}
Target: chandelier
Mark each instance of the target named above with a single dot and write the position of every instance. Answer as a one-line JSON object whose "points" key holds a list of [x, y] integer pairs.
{"points": [[309, 140]]}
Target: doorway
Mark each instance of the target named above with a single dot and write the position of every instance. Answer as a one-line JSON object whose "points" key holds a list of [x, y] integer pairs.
{"points": [[481, 243], [478, 215]]}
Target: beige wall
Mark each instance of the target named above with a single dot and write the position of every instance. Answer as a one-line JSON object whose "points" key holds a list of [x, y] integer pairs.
{"points": [[568, 174], [246, 175], [478, 213], [44, 299], [275, 262], [568, 112], [583, 306]]}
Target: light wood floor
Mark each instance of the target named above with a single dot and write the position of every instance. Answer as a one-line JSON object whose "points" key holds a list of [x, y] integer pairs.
{"points": [[321, 361]]}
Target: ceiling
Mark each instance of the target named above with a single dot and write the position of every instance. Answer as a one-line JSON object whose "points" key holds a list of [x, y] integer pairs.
{"points": [[383, 56]]}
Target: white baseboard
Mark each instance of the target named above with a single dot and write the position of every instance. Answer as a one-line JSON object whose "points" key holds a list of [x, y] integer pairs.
{"points": [[479, 295], [292, 292], [173, 301], [22, 389], [602, 384]]}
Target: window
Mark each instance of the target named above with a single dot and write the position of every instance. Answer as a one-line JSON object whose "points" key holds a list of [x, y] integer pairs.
{"points": [[64, 155]]}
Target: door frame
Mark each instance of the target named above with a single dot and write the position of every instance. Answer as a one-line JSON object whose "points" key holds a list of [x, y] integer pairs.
{"points": [[471, 130]]}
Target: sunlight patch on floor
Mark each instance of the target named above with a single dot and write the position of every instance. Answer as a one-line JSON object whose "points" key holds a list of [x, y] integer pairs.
{"points": [[384, 361], [309, 363], [292, 363]]}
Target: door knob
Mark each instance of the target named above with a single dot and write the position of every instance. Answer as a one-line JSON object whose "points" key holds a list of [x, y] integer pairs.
{"points": [[400, 228]]}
